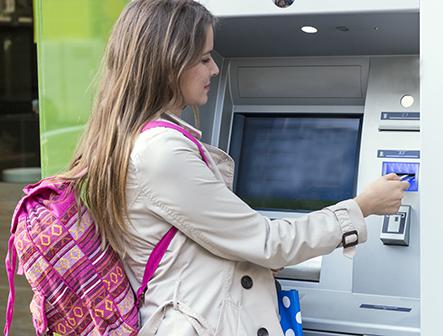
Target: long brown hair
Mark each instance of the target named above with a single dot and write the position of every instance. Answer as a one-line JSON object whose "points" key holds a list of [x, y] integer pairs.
{"points": [[151, 44]]}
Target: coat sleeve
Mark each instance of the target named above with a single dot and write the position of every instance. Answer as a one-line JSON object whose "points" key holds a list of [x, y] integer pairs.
{"points": [[178, 186]]}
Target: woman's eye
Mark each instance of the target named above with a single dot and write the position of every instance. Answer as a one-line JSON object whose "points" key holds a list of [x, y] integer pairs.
{"points": [[206, 60]]}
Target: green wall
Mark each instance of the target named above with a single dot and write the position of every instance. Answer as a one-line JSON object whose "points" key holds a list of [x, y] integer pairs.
{"points": [[71, 36]]}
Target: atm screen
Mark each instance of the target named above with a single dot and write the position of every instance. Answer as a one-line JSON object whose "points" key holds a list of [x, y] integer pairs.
{"points": [[295, 162]]}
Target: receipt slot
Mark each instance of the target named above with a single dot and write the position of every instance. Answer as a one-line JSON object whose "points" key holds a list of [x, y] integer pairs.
{"points": [[395, 230], [408, 171]]}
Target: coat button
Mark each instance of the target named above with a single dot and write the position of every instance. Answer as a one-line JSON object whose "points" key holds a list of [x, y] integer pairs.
{"points": [[262, 332], [246, 282]]}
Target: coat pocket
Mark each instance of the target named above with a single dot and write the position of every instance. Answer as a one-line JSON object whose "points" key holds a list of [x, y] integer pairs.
{"points": [[176, 319], [228, 321]]}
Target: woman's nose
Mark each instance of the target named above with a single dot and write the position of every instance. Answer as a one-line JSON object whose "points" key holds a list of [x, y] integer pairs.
{"points": [[215, 70]]}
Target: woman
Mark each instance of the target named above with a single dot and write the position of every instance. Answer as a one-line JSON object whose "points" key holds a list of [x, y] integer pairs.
{"points": [[216, 277]]}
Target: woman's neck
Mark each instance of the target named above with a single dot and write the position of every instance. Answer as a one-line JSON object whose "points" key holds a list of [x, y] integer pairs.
{"points": [[177, 111]]}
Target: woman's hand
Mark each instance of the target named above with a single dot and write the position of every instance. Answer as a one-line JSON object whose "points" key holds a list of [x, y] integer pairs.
{"points": [[383, 196]]}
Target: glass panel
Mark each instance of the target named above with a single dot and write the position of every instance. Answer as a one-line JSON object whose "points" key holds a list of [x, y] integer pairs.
{"points": [[71, 39]]}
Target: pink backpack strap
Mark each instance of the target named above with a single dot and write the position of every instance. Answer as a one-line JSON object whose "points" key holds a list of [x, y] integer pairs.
{"points": [[11, 261], [160, 249], [153, 261]]}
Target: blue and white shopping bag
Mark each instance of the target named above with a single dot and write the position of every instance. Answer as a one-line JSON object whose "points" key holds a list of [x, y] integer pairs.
{"points": [[289, 310]]}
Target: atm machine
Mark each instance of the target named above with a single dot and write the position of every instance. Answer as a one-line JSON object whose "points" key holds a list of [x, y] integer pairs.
{"points": [[311, 119]]}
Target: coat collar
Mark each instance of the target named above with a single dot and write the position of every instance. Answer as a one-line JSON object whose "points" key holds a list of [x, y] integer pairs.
{"points": [[175, 119]]}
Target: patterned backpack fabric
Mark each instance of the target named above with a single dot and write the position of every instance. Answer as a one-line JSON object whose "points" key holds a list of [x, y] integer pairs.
{"points": [[79, 288]]}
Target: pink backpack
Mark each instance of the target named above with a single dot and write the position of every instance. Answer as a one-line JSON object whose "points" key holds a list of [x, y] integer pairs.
{"points": [[79, 288]]}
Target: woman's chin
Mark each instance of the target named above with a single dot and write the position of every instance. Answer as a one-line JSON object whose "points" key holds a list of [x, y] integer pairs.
{"points": [[202, 101]]}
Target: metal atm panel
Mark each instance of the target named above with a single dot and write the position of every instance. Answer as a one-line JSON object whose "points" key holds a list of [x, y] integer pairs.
{"points": [[377, 292]]}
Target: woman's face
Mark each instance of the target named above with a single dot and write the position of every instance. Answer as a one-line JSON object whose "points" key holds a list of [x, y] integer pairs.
{"points": [[195, 81]]}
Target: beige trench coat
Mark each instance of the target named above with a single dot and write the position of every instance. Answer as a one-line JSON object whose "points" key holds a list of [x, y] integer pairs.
{"points": [[215, 278]]}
